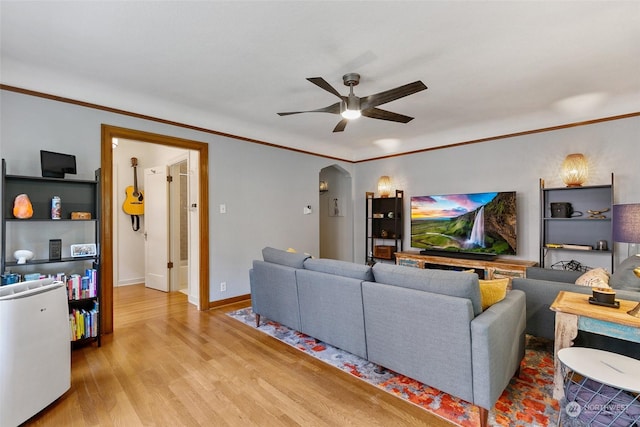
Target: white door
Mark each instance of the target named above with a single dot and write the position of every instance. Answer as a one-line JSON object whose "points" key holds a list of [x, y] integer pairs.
{"points": [[156, 228]]}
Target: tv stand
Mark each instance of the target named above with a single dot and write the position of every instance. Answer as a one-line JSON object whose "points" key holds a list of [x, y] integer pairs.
{"points": [[486, 269], [455, 254]]}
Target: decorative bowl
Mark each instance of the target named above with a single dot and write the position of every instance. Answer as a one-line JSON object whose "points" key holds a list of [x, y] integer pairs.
{"points": [[604, 295], [22, 255]]}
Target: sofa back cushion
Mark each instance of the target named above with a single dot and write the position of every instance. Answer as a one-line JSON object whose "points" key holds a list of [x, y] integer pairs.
{"points": [[340, 268], [278, 256], [452, 283], [331, 310], [552, 275], [623, 277]]}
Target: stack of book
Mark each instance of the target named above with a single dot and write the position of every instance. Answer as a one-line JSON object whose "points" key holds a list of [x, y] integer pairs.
{"points": [[84, 323], [81, 287]]}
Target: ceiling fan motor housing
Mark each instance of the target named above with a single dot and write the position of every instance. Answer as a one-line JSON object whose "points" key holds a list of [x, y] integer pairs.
{"points": [[351, 79]]}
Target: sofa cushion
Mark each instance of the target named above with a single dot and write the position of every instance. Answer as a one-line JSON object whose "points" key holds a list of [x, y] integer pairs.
{"points": [[623, 277], [597, 277], [493, 291], [452, 283], [340, 268], [552, 275], [278, 256], [331, 310]]}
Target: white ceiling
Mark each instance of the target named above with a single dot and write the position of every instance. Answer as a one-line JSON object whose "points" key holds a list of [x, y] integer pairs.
{"points": [[492, 67]]}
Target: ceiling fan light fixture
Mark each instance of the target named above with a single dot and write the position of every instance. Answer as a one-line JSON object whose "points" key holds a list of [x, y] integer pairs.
{"points": [[351, 107], [351, 114]]}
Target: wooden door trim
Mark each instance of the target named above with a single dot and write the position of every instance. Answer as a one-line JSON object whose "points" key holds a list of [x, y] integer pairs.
{"points": [[106, 213]]}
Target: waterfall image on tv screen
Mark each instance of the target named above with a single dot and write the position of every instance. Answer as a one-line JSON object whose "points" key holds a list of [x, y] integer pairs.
{"points": [[481, 223]]}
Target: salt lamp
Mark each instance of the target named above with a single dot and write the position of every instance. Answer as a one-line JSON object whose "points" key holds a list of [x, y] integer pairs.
{"points": [[22, 207]]}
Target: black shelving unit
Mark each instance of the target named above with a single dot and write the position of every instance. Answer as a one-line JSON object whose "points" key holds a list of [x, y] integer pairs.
{"points": [[76, 196], [384, 226], [585, 231]]}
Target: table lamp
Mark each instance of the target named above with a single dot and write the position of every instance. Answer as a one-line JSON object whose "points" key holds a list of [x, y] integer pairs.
{"points": [[626, 225], [635, 311]]}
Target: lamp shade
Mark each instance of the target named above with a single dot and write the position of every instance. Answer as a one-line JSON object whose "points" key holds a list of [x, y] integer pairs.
{"points": [[626, 223], [384, 186], [575, 170]]}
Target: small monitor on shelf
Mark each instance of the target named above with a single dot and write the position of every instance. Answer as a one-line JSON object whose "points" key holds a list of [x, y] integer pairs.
{"points": [[56, 165]]}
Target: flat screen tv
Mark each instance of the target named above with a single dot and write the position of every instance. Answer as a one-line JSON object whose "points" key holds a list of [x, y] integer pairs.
{"points": [[475, 225], [55, 165]]}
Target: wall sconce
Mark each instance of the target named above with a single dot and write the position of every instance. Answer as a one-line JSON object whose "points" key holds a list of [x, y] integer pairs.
{"points": [[324, 187], [626, 225], [384, 186], [575, 170]]}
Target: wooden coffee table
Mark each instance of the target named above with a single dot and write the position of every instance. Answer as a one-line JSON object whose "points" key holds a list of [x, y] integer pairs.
{"points": [[573, 313]]}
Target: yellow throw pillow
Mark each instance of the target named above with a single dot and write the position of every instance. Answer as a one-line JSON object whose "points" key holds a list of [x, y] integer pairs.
{"points": [[493, 291]]}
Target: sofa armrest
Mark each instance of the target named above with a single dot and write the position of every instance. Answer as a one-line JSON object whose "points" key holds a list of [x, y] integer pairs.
{"points": [[274, 293], [540, 296], [497, 340]]}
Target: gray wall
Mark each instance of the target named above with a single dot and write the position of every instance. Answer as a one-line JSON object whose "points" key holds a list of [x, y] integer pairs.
{"points": [[264, 188], [513, 164]]}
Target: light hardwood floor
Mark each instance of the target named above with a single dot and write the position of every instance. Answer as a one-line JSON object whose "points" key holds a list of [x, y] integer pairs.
{"points": [[167, 364]]}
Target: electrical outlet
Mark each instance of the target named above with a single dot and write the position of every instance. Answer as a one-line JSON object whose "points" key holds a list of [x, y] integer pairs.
{"points": [[223, 286]]}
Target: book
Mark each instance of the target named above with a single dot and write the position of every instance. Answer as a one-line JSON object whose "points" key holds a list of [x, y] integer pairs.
{"points": [[577, 247]]}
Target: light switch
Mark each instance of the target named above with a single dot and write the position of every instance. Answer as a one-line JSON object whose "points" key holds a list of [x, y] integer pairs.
{"points": [[223, 208]]}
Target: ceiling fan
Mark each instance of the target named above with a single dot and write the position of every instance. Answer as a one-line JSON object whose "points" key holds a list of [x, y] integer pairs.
{"points": [[352, 107]]}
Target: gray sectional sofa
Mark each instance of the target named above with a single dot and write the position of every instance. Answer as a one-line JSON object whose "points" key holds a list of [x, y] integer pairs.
{"points": [[542, 285], [426, 324]]}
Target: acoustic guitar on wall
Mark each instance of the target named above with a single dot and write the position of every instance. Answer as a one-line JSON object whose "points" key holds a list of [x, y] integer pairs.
{"points": [[134, 203]]}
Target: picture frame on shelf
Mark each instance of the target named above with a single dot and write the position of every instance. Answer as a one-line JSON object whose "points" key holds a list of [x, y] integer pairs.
{"points": [[55, 249], [83, 250]]}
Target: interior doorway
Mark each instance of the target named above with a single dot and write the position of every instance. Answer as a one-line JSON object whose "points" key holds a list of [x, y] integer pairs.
{"points": [[145, 246], [200, 204], [336, 214]]}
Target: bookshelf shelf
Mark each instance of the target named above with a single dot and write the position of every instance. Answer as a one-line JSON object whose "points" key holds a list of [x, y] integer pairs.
{"points": [[81, 274]]}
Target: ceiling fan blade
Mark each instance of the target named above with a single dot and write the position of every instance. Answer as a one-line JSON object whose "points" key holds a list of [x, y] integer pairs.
{"points": [[380, 98], [341, 125], [333, 109], [377, 113], [322, 83]]}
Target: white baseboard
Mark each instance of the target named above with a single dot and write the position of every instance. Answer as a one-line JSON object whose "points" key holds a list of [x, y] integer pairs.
{"points": [[130, 282]]}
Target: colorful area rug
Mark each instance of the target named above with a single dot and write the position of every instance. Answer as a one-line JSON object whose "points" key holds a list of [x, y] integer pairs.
{"points": [[526, 402]]}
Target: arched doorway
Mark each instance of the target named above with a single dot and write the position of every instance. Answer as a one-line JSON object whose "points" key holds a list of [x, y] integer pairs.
{"points": [[336, 214]]}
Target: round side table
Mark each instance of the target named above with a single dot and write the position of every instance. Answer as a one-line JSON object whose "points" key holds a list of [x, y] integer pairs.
{"points": [[601, 388]]}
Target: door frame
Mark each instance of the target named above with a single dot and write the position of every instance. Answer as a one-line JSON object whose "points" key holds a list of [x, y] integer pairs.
{"points": [[106, 212]]}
